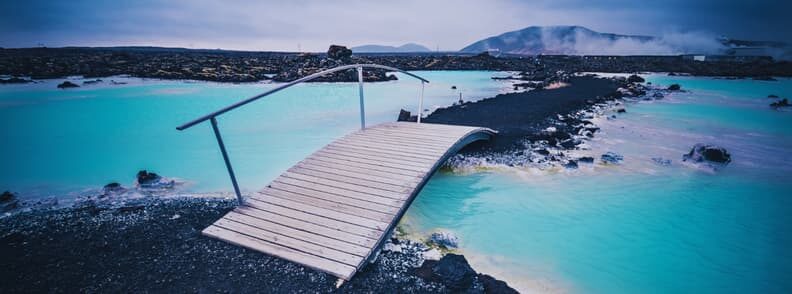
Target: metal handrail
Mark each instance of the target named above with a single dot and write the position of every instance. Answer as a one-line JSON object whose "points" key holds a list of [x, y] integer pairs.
{"points": [[212, 116], [295, 82]]}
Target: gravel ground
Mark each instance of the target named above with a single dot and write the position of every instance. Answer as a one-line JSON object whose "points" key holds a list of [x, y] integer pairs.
{"points": [[156, 246]]}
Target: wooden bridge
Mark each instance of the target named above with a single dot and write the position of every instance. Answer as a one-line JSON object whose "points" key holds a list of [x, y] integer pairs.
{"points": [[333, 210]]}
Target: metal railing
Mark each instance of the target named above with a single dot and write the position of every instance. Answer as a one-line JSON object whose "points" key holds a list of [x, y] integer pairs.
{"points": [[359, 67]]}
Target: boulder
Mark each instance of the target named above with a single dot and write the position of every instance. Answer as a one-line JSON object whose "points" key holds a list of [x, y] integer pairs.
{"points": [[586, 159], [611, 157], [493, 285], [658, 95], [8, 201], [772, 96], [113, 189], [780, 103], [405, 115], [571, 164], [705, 153], [146, 179], [674, 87], [338, 52], [454, 272], [444, 239], [67, 84], [621, 110], [635, 79]]}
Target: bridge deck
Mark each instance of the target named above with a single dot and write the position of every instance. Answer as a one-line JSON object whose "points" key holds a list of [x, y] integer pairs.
{"points": [[333, 210]]}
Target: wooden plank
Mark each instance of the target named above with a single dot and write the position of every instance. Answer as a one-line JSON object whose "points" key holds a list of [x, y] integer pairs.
{"points": [[348, 186], [380, 144], [432, 133], [351, 180], [280, 183], [365, 166], [373, 158], [452, 132], [392, 179], [373, 155], [361, 203], [382, 149], [318, 211], [286, 241], [319, 220], [340, 207], [429, 145], [336, 268], [430, 126], [424, 136], [436, 126], [279, 229], [369, 161], [383, 145], [377, 171], [401, 140], [407, 158], [306, 226]]}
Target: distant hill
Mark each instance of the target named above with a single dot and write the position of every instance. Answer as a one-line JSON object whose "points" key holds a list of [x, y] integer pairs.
{"points": [[409, 47], [557, 40]]}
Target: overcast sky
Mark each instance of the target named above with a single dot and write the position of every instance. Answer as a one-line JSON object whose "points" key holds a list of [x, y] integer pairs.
{"points": [[313, 25]]}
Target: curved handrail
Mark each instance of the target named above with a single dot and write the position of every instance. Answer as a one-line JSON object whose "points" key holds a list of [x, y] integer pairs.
{"points": [[292, 83]]}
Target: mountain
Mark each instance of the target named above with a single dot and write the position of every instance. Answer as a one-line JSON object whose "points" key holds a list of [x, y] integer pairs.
{"points": [[556, 40], [409, 47]]}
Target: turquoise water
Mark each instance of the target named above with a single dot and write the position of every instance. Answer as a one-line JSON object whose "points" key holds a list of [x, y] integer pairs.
{"points": [[633, 228], [57, 141], [640, 227]]}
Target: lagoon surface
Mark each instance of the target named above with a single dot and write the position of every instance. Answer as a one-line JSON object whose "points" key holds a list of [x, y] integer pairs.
{"points": [[637, 227]]}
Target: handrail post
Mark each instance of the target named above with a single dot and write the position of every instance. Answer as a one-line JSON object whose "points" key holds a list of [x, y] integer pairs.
{"points": [[420, 102], [225, 158], [360, 87]]}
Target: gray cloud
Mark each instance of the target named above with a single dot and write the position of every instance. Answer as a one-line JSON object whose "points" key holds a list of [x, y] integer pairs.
{"points": [[282, 25]]}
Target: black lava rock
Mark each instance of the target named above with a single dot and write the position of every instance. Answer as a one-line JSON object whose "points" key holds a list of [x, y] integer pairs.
{"points": [[338, 52], [621, 110], [7, 196], [67, 84], [145, 177], [8, 201], [675, 87], [707, 153], [113, 188], [454, 271], [635, 79], [405, 115], [492, 285], [586, 159], [571, 164], [772, 96], [781, 103]]}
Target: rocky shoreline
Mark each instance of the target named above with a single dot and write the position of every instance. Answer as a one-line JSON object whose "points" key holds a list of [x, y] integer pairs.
{"points": [[155, 245], [245, 66], [545, 127]]}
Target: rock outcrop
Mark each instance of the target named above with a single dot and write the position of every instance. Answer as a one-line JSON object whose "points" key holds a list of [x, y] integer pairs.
{"points": [[705, 153], [444, 239], [149, 180], [67, 84], [8, 201]]}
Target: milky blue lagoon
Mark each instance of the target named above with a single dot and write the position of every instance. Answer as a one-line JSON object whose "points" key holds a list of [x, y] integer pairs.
{"points": [[634, 228]]}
